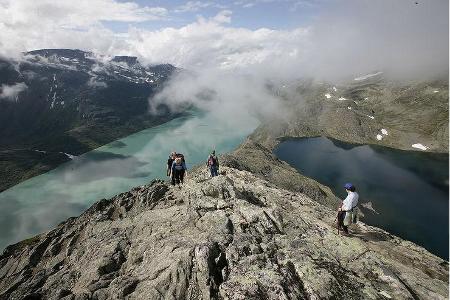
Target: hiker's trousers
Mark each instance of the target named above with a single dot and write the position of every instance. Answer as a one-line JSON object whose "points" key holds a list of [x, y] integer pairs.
{"points": [[341, 217], [214, 171], [177, 176]]}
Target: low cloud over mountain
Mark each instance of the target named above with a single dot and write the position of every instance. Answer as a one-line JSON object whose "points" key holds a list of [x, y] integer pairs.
{"points": [[10, 92], [347, 38]]}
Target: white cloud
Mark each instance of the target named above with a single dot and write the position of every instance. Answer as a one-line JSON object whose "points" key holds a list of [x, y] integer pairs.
{"points": [[10, 92], [230, 96], [252, 3], [223, 16], [212, 44], [28, 25], [301, 4], [80, 14], [93, 82], [354, 37], [193, 6]]}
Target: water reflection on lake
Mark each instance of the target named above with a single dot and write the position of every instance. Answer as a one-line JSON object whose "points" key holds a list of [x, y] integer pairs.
{"points": [[409, 190], [40, 203]]}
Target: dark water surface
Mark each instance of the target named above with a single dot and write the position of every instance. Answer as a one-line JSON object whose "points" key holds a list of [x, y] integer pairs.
{"points": [[409, 190]]}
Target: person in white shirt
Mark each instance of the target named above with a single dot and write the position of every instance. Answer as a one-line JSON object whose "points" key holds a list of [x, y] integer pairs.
{"points": [[348, 205]]}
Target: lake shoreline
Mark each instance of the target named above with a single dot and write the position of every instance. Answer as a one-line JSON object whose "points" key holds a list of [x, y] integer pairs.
{"points": [[40, 203], [25, 163]]}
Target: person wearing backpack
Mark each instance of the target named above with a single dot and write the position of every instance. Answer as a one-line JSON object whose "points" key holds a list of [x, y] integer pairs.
{"points": [[348, 207], [170, 161], [213, 164], [179, 170]]}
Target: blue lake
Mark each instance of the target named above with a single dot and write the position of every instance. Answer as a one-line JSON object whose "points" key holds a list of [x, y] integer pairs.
{"points": [[40, 203], [408, 190]]}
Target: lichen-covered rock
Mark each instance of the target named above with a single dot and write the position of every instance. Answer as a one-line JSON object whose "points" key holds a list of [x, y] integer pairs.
{"points": [[235, 236]]}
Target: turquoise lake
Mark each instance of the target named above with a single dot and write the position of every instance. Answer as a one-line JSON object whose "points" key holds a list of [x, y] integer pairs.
{"points": [[40, 203], [408, 190]]}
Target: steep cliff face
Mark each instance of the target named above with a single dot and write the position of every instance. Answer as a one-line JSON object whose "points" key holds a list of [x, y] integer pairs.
{"points": [[235, 236]]}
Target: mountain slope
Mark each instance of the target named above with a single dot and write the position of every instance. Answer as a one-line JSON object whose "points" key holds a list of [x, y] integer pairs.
{"points": [[357, 112], [234, 236], [69, 101]]}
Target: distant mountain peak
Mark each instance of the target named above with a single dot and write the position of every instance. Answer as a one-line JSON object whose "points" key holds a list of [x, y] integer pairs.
{"points": [[70, 53]]}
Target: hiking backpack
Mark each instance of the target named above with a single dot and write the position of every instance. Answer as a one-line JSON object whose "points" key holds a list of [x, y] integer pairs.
{"points": [[212, 161]]}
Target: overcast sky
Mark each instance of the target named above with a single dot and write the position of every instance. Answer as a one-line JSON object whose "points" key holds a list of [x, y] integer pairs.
{"points": [[325, 38]]}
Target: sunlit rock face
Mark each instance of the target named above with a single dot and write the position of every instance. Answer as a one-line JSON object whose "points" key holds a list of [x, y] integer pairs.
{"points": [[234, 236]]}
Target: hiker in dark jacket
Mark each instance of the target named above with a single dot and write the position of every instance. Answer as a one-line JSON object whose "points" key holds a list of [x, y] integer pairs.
{"points": [[213, 164], [170, 162], [178, 170]]}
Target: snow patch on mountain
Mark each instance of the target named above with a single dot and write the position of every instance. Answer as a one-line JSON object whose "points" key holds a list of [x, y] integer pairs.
{"points": [[53, 100], [69, 155], [419, 146]]}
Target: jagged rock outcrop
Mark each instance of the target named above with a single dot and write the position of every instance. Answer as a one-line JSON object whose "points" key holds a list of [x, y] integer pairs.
{"points": [[235, 236]]}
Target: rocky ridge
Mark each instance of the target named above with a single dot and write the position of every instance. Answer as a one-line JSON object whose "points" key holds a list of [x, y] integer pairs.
{"points": [[235, 236]]}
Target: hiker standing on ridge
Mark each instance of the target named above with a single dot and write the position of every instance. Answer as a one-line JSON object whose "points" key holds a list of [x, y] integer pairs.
{"points": [[345, 212], [213, 164], [178, 170], [170, 162]]}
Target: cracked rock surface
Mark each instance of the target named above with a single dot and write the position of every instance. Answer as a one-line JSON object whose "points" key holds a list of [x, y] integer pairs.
{"points": [[235, 236]]}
